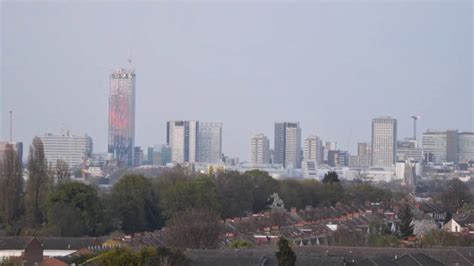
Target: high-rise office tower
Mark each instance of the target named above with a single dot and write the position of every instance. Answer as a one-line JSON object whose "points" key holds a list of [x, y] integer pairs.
{"points": [[73, 149], [466, 146], [313, 149], [452, 146], [288, 144], [259, 149], [384, 141], [182, 137], [434, 146], [210, 142], [122, 116], [440, 146]]}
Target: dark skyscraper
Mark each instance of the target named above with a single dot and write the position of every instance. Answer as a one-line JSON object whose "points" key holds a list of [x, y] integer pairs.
{"points": [[288, 144], [122, 116]]}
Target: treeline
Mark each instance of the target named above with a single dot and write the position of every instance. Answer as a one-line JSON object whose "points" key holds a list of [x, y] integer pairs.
{"points": [[47, 199], [50, 204]]}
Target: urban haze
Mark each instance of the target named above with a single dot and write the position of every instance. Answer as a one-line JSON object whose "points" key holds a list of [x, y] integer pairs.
{"points": [[330, 66]]}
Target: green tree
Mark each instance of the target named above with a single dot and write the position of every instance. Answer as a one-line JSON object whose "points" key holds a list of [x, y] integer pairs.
{"points": [[405, 215], [193, 228], [312, 192], [331, 177], [457, 193], [135, 204], [11, 186], [119, 256], [332, 192], [263, 186], [74, 209], [198, 193], [240, 243], [167, 257], [361, 193], [160, 256], [285, 254], [236, 193], [292, 193], [62, 171], [37, 185]]}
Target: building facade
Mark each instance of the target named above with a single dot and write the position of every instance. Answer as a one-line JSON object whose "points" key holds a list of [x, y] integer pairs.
{"points": [[138, 156], [338, 158], [259, 149], [182, 138], [440, 146], [406, 172], [99, 160], [364, 149], [165, 154], [150, 158], [313, 149], [363, 157], [122, 116], [407, 150], [73, 149], [452, 146], [288, 144], [384, 142], [466, 146], [210, 142], [359, 161]]}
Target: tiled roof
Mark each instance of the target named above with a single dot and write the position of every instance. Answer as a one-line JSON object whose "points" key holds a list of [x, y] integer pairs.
{"points": [[59, 243]]}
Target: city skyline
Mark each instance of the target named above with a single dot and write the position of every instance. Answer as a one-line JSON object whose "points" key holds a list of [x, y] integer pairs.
{"points": [[312, 93]]}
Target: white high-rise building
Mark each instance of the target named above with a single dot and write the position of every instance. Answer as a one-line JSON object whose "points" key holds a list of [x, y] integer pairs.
{"points": [[259, 149], [288, 144], [434, 146], [313, 149], [210, 142], [182, 137], [384, 142], [73, 149], [440, 146], [466, 146]]}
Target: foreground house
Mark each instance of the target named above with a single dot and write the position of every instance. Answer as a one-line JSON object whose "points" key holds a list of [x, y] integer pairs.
{"points": [[50, 246], [461, 223], [33, 256]]}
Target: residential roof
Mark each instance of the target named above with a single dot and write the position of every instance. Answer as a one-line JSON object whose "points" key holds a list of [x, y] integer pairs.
{"points": [[56, 243], [417, 259], [257, 257], [464, 219]]}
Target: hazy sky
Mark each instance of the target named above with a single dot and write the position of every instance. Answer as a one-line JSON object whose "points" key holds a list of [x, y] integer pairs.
{"points": [[333, 66]]}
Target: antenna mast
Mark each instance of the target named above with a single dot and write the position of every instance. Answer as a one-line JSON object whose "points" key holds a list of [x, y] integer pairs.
{"points": [[11, 126]]}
